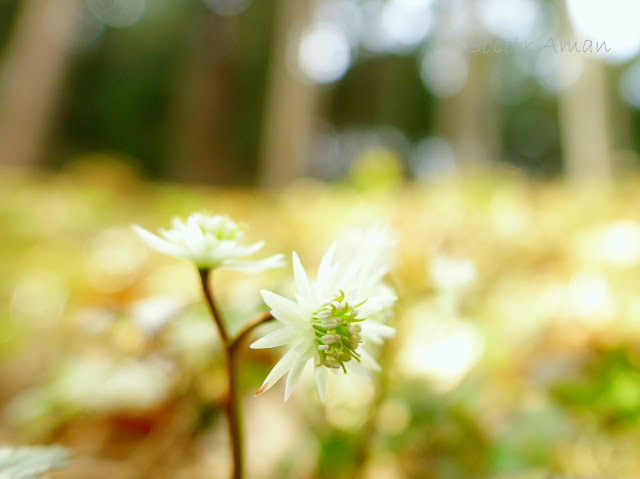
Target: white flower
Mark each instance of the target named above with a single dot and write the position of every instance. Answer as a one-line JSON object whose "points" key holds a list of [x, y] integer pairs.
{"points": [[31, 462], [152, 314], [209, 242], [364, 257], [374, 244], [330, 320]]}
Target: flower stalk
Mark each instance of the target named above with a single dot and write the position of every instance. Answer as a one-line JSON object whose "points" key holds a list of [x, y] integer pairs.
{"points": [[233, 406]]}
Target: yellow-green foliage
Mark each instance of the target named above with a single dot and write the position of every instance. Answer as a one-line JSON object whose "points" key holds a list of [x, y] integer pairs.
{"points": [[517, 350]]}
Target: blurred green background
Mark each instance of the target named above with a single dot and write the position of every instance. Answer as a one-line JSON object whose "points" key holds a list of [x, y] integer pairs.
{"points": [[509, 178]]}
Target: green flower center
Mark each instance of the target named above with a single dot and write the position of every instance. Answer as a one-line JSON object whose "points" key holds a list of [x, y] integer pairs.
{"points": [[221, 229], [337, 332]]}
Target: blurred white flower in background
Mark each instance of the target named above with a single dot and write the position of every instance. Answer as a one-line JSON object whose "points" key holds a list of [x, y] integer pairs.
{"points": [[369, 252], [452, 273], [209, 242], [192, 339], [620, 243], [439, 348], [100, 384], [152, 314], [31, 462], [589, 297], [333, 315], [374, 244]]}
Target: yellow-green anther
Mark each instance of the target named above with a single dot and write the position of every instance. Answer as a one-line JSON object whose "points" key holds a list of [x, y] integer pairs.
{"points": [[336, 306]]}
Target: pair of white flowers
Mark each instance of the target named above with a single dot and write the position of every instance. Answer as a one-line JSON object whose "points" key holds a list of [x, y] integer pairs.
{"points": [[332, 318]]}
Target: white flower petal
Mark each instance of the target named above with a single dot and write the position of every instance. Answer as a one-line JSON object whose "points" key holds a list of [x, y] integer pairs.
{"points": [[283, 309], [375, 331], [241, 250], [193, 236], [326, 269], [386, 299], [279, 337], [223, 249], [369, 308], [275, 261], [368, 361], [358, 368], [157, 243], [285, 364], [303, 286], [292, 378], [29, 462], [321, 382]]}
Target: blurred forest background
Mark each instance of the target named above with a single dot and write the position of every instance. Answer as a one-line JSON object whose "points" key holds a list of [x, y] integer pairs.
{"points": [[517, 354], [262, 92]]}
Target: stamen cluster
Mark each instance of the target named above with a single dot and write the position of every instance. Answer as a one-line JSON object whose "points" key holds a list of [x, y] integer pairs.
{"points": [[337, 332], [221, 228]]}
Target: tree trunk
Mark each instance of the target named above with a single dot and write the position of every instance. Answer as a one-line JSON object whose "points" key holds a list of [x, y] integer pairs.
{"points": [[31, 76], [202, 152], [288, 120], [586, 121], [470, 120]]}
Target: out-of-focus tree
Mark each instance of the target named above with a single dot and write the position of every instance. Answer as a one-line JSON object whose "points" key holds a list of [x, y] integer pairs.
{"points": [[289, 115], [585, 122], [202, 152], [31, 74], [590, 114], [469, 120]]}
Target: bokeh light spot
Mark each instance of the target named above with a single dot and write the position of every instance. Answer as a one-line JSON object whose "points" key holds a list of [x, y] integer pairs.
{"points": [[621, 243], [614, 22], [324, 54], [228, 7], [118, 13], [444, 70]]}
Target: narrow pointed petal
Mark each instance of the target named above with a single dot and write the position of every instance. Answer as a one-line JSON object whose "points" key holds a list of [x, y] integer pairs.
{"points": [[386, 299], [375, 331], [321, 382], [285, 364], [283, 309], [292, 378], [303, 286], [275, 261], [326, 266], [369, 308], [157, 243], [358, 369], [241, 250], [279, 337], [368, 361], [193, 236]]}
